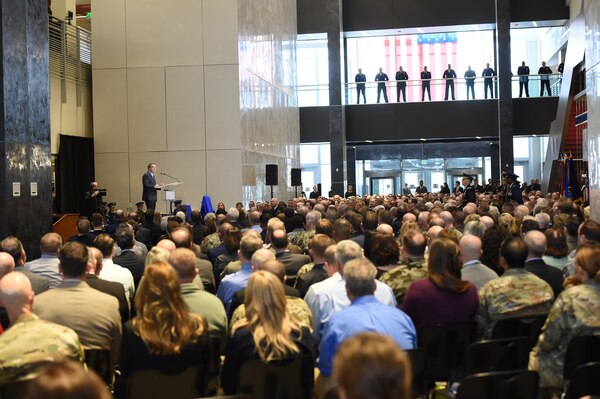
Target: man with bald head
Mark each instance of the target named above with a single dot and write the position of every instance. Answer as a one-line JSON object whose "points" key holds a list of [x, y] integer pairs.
{"points": [[200, 302], [30, 343], [536, 247], [7, 264], [112, 288], [473, 270], [47, 265]]}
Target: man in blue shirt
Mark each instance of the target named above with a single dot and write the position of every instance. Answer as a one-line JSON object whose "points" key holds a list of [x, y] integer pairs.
{"points": [[365, 313], [249, 244]]}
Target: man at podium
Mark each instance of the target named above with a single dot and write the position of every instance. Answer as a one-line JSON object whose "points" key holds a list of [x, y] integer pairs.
{"points": [[150, 187]]}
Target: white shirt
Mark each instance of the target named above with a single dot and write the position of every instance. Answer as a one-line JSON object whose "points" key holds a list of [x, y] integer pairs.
{"points": [[312, 299], [113, 272]]}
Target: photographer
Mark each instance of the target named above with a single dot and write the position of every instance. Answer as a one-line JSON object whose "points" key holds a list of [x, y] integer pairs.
{"points": [[93, 199]]}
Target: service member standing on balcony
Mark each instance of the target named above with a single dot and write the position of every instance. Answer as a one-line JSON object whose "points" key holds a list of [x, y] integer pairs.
{"points": [[544, 73], [470, 76], [401, 78], [449, 75], [488, 78], [523, 73], [425, 83], [381, 77], [360, 78]]}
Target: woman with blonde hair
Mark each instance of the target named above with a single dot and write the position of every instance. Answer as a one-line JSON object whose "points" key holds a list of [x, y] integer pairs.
{"points": [[163, 336], [267, 332]]}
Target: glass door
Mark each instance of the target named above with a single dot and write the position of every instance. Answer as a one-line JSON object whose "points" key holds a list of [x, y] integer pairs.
{"points": [[383, 185]]}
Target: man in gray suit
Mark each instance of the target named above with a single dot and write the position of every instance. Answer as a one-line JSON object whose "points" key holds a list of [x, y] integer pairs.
{"points": [[92, 314], [473, 270], [292, 262], [12, 245]]}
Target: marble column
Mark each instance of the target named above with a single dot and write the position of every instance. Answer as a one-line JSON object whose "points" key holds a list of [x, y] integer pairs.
{"points": [[25, 164], [505, 110], [337, 120]]}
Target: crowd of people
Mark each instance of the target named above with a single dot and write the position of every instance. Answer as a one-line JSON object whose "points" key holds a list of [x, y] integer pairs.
{"points": [[349, 282]]}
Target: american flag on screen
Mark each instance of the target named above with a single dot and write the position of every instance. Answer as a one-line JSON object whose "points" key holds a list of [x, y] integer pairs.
{"points": [[435, 50]]}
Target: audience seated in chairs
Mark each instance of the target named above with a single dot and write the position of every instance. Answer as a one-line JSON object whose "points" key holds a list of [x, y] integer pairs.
{"points": [[267, 332], [163, 336]]}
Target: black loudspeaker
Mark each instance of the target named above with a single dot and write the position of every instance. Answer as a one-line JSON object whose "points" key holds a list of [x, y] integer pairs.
{"points": [[271, 174], [296, 177]]}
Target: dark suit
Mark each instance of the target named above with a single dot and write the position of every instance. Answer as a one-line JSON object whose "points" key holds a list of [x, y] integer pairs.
{"points": [[315, 275], [143, 235], [513, 192], [549, 274], [292, 262], [149, 195], [215, 252], [523, 73], [113, 289], [132, 261], [401, 78], [85, 239], [155, 232], [449, 75], [488, 79], [381, 88], [469, 195], [425, 84]]}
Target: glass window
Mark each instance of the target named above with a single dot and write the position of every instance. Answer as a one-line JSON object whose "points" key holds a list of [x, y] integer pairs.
{"points": [[309, 153], [521, 147]]}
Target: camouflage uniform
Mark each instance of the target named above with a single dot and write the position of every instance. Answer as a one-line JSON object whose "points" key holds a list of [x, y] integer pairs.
{"points": [[575, 312], [399, 278], [302, 239], [569, 269], [210, 241], [296, 306], [30, 343], [305, 269], [232, 267], [517, 292]]}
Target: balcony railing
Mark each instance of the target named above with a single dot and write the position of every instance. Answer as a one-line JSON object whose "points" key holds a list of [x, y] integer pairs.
{"points": [[318, 95]]}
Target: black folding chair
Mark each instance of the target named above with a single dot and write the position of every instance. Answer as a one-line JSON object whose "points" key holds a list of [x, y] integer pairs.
{"points": [[584, 381], [289, 378], [418, 364], [529, 326], [154, 384], [99, 361], [522, 384], [497, 355]]}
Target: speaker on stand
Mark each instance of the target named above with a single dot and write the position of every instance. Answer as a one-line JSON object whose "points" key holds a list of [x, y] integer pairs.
{"points": [[296, 179], [271, 176]]}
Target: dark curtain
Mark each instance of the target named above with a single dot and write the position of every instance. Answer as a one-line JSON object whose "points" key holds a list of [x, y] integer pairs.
{"points": [[74, 172]]}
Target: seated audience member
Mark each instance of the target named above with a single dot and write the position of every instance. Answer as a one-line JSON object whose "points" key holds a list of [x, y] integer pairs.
{"points": [[365, 313], [66, 380], [412, 265], [588, 231], [7, 264], [384, 253], [472, 268], [111, 288], [575, 312], [182, 238], [442, 297], [268, 332], [47, 265], [370, 365], [110, 270], [97, 221], [301, 239], [214, 252], [316, 249], [335, 297], [342, 229], [517, 292], [128, 258], [84, 229], [163, 335], [199, 302], [536, 246], [491, 241], [92, 314], [236, 281], [14, 247], [231, 242], [295, 305], [30, 343], [557, 249], [292, 262]]}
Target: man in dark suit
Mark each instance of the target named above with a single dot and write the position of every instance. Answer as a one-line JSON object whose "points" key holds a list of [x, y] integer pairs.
{"points": [[84, 229], [488, 80], [536, 246], [449, 75], [360, 80], [149, 187], [426, 83], [292, 262], [111, 288], [381, 77], [523, 73], [129, 259], [401, 78]]}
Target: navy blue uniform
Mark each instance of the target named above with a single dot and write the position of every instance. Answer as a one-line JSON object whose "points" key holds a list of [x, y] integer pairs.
{"points": [[401, 77], [382, 78], [488, 74], [360, 87], [513, 193], [469, 195], [449, 75], [523, 73], [426, 81], [470, 76], [544, 79]]}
